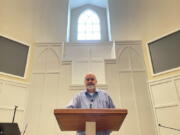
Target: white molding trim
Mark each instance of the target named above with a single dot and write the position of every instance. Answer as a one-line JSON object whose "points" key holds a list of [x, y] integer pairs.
{"points": [[154, 111], [165, 105], [47, 72], [49, 44], [176, 88], [66, 62], [110, 61], [150, 96], [16, 85], [89, 43], [175, 79], [129, 70], [107, 61], [164, 78], [160, 82], [135, 103], [15, 76], [82, 87], [5, 80], [123, 42], [129, 42], [10, 108]]}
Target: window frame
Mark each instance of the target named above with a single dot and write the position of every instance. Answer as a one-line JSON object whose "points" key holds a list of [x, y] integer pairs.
{"points": [[102, 14], [91, 24]]}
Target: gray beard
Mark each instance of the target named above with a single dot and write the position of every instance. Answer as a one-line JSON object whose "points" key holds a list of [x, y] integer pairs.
{"points": [[91, 87]]}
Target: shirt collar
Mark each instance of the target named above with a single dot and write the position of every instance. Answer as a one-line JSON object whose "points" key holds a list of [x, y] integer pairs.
{"points": [[93, 96]]}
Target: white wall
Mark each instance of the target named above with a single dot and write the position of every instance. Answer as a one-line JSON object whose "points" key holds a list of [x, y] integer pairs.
{"points": [[165, 94], [46, 21], [126, 19], [160, 18], [88, 58], [17, 19], [131, 81], [51, 88], [13, 93], [35, 20]]}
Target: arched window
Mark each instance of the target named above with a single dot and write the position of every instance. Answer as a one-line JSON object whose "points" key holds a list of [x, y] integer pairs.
{"points": [[88, 26]]}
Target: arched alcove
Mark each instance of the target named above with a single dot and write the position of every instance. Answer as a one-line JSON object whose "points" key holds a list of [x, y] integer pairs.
{"points": [[133, 90], [47, 61]]}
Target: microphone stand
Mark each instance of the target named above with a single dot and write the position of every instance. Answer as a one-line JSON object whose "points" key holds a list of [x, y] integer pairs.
{"points": [[168, 127], [91, 103], [14, 118], [14, 113], [25, 129]]}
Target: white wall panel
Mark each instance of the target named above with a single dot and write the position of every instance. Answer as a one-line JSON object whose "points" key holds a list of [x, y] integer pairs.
{"points": [[88, 57], [164, 93], [13, 93], [7, 116], [40, 60], [51, 88], [52, 61], [1, 85], [166, 103], [34, 104], [124, 60], [84, 51], [42, 102], [44, 93], [128, 101], [133, 90], [164, 131], [136, 59], [169, 117], [98, 68], [48, 104], [77, 75], [143, 102], [177, 84], [80, 68]]}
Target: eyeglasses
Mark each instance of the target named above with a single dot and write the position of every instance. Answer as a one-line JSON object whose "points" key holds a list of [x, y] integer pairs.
{"points": [[88, 79]]}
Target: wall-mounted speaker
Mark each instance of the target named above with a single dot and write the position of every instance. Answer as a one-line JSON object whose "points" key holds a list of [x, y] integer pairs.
{"points": [[9, 129], [13, 57]]}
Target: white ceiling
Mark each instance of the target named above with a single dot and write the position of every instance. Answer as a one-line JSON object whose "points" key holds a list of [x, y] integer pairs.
{"points": [[78, 3]]}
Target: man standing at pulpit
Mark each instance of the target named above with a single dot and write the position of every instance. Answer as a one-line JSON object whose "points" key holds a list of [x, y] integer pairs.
{"points": [[91, 97]]}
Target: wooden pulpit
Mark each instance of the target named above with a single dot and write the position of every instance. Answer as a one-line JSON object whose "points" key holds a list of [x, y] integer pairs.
{"points": [[90, 120]]}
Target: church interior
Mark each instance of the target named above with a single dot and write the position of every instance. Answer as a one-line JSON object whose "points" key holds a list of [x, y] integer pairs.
{"points": [[62, 40]]}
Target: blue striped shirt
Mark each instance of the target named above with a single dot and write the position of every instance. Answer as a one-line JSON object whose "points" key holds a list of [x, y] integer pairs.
{"points": [[100, 99]]}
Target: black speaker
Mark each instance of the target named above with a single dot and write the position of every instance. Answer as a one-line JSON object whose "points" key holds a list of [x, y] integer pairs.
{"points": [[9, 129]]}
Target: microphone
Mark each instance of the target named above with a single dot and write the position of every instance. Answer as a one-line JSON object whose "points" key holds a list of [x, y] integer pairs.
{"points": [[91, 103], [168, 127]]}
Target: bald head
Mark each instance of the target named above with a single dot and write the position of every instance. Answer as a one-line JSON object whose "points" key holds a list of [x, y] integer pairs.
{"points": [[90, 75], [90, 82]]}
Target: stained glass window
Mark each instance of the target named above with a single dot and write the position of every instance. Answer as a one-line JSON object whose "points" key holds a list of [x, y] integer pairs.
{"points": [[89, 26]]}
